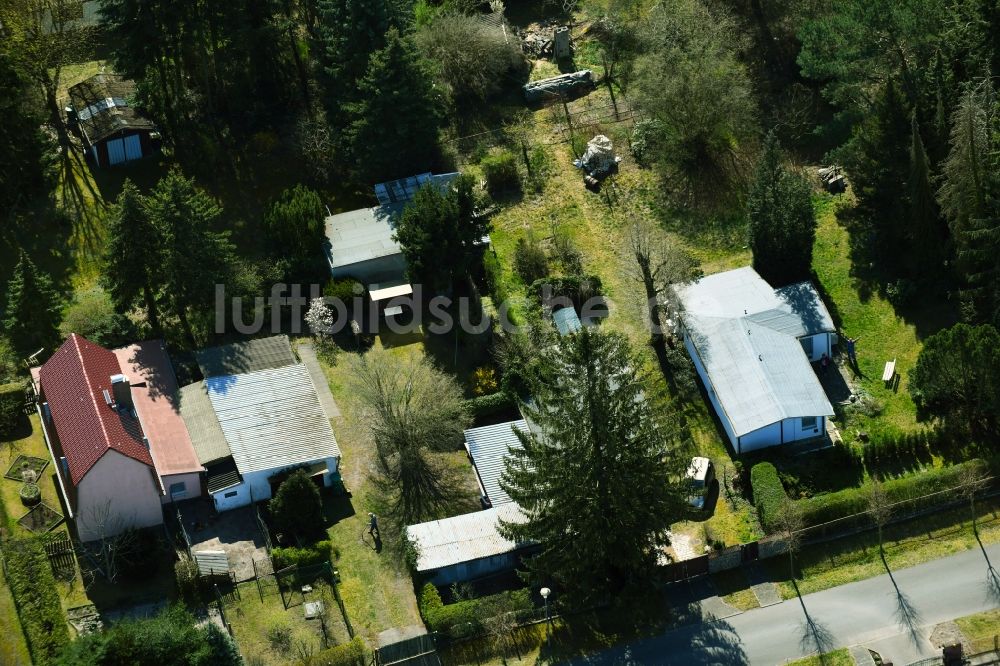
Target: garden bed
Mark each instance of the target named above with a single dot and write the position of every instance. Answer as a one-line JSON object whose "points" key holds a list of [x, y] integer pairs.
{"points": [[42, 518], [37, 465]]}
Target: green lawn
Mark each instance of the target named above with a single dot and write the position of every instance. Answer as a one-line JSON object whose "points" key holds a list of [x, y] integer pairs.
{"points": [[734, 589], [981, 629], [840, 657], [883, 334], [376, 586]]}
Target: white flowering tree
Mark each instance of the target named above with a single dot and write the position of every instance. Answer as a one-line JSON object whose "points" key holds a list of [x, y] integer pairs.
{"points": [[319, 319]]}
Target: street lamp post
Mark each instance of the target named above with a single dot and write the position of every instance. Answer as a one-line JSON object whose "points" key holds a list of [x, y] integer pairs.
{"points": [[545, 592]]}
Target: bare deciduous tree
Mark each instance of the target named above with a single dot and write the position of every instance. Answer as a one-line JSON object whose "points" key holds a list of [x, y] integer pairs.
{"points": [[972, 479], [414, 410], [115, 538], [660, 265], [789, 523], [879, 508]]}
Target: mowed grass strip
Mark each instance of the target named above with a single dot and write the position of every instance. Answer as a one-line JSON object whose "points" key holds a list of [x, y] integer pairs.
{"points": [[913, 542], [982, 629]]}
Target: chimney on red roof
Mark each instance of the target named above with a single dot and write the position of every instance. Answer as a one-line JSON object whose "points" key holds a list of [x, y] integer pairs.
{"points": [[121, 391]]}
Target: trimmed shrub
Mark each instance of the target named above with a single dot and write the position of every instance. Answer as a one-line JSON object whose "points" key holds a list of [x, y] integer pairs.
{"points": [[493, 273], [344, 289], [317, 553], [852, 501], [351, 653], [30, 579], [487, 405], [464, 618], [500, 171], [768, 493], [11, 405], [297, 507]]}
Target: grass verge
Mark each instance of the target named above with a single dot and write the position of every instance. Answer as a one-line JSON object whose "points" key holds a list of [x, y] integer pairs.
{"points": [[841, 657], [981, 629]]}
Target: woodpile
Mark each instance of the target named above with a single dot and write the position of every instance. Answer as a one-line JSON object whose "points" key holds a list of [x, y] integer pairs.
{"points": [[834, 181]]}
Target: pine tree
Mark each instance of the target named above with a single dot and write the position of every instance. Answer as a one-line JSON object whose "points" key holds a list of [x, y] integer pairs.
{"points": [[133, 256], [438, 234], [394, 130], [295, 229], [31, 316], [598, 483], [194, 258], [781, 221], [926, 230]]}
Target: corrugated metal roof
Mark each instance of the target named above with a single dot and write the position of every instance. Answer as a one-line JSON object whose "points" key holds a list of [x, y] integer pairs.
{"points": [[471, 536], [362, 235], [272, 418], [202, 424], [247, 356], [746, 335], [566, 321], [489, 446], [222, 475]]}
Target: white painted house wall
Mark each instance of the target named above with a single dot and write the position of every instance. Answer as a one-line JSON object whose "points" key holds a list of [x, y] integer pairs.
{"points": [[256, 486], [119, 492], [821, 344], [192, 486]]}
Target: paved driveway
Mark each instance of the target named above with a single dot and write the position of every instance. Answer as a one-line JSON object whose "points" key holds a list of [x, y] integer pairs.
{"points": [[234, 532], [891, 615]]}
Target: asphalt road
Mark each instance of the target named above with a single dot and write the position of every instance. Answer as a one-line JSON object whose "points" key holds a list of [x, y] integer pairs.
{"points": [[893, 615]]}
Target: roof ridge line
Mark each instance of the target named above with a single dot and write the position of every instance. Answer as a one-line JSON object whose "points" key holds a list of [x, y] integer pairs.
{"points": [[97, 407]]}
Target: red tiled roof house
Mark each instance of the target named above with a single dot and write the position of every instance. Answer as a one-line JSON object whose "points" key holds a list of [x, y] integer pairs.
{"points": [[109, 435]]}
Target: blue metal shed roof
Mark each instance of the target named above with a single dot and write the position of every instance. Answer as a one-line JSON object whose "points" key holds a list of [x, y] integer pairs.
{"points": [[566, 320], [488, 446]]}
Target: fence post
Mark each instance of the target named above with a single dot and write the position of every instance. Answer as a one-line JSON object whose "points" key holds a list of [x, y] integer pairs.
{"points": [[256, 578], [340, 601], [222, 610]]}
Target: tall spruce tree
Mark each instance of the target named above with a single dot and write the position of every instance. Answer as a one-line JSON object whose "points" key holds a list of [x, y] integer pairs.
{"points": [[599, 482], [925, 227], [193, 257], [31, 315], [781, 221], [438, 233], [394, 127], [22, 143], [132, 257]]}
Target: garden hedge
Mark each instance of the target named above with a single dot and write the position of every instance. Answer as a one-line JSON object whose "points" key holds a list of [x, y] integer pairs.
{"points": [[351, 653], [487, 405], [33, 587], [317, 553], [768, 493], [11, 405], [833, 506], [462, 618]]}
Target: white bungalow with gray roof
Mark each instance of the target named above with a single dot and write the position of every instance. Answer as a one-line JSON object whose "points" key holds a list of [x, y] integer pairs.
{"points": [[255, 419], [752, 346]]}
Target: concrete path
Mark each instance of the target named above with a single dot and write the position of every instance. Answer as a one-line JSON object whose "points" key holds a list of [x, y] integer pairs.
{"points": [[861, 656], [308, 357], [763, 588], [893, 615]]}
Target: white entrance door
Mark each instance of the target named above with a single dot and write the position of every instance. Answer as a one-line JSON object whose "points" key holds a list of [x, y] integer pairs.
{"points": [[133, 149], [116, 152]]}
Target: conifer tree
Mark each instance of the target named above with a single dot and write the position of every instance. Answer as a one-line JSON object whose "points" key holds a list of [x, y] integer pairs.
{"points": [[925, 227], [394, 130], [599, 482], [132, 257], [782, 224], [194, 258], [31, 315]]}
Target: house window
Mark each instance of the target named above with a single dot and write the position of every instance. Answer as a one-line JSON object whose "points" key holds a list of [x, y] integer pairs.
{"points": [[807, 346], [178, 489], [231, 494], [809, 423]]}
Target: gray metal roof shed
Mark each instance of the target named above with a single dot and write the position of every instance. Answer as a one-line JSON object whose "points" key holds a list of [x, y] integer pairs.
{"points": [[272, 418], [489, 446], [566, 321], [203, 425], [471, 536], [247, 356], [746, 335]]}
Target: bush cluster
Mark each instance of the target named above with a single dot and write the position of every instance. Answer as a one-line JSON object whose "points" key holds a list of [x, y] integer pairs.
{"points": [[30, 579], [464, 618], [852, 501], [577, 288], [487, 405], [768, 493], [351, 653], [908, 447], [317, 553], [11, 404], [500, 171]]}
